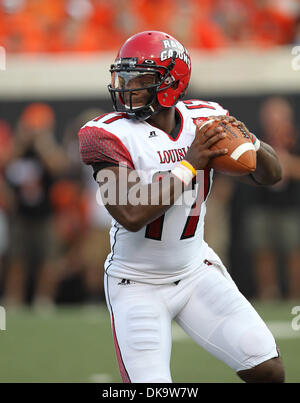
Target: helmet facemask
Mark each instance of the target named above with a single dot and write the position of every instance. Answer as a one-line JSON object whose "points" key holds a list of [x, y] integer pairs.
{"points": [[134, 86]]}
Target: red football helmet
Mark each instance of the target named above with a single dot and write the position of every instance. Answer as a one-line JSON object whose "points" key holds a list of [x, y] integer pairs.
{"points": [[152, 61]]}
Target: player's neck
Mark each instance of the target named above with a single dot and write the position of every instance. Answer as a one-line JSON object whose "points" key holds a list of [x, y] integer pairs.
{"points": [[164, 120]]}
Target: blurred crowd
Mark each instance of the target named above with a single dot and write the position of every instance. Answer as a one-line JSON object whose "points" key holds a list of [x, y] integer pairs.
{"points": [[54, 234], [59, 26], [52, 231]]}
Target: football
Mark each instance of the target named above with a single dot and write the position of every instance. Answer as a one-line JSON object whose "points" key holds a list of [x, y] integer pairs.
{"points": [[241, 156]]}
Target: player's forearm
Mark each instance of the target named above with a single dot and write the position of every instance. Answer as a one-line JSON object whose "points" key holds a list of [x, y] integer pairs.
{"points": [[145, 203], [268, 168]]}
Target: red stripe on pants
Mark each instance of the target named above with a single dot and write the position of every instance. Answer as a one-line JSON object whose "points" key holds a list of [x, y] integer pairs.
{"points": [[123, 372]]}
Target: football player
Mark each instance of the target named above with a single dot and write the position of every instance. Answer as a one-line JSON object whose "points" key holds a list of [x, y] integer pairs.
{"points": [[160, 268]]}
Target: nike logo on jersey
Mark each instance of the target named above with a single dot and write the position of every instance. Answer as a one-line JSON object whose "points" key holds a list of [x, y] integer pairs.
{"points": [[174, 155], [152, 134]]}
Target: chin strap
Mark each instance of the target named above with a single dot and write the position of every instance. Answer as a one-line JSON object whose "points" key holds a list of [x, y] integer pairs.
{"points": [[147, 112]]}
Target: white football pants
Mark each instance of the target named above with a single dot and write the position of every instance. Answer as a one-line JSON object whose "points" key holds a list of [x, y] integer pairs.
{"points": [[209, 308]]}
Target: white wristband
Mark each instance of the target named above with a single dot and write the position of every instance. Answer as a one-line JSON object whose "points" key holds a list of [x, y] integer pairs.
{"points": [[183, 173], [257, 144]]}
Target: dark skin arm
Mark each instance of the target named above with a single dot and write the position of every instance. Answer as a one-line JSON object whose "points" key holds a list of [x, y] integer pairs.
{"points": [[268, 169], [134, 217]]}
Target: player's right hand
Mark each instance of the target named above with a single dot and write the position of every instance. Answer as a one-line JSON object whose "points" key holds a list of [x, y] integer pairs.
{"points": [[199, 153]]}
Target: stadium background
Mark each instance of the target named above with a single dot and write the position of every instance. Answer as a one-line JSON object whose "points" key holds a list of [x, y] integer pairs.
{"points": [[57, 59]]}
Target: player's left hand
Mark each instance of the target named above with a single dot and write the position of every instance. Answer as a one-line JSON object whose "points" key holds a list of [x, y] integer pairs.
{"points": [[232, 120]]}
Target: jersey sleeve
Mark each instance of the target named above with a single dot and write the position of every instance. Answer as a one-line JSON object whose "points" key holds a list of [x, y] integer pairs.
{"points": [[203, 109], [219, 110], [99, 147]]}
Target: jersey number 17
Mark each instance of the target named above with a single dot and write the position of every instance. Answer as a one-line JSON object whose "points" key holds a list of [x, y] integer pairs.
{"points": [[155, 228]]}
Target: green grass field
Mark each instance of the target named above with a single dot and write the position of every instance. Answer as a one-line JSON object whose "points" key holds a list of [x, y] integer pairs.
{"points": [[75, 345]]}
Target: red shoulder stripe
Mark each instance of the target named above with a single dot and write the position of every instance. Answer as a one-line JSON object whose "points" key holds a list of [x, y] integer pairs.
{"points": [[98, 145]]}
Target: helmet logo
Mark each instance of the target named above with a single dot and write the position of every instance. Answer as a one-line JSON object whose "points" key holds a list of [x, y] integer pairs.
{"points": [[148, 61], [181, 52]]}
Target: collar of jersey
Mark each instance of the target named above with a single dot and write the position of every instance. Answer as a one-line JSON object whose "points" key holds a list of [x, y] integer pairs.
{"points": [[176, 132]]}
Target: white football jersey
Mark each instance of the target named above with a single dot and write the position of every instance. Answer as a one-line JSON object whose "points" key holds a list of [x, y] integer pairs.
{"points": [[172, 246]]}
